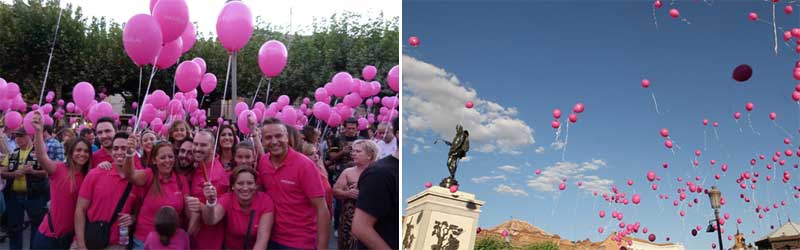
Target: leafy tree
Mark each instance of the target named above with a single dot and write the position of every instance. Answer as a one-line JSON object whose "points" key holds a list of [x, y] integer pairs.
{"points": [[492, 243], [90, 49], [541, 246]]}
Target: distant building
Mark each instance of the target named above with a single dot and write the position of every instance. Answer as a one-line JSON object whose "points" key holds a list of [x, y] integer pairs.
{"points": [[785, 237]]}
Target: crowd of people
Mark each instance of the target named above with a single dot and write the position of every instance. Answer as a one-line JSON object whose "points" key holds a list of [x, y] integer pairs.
{"points": [[278, 187]]}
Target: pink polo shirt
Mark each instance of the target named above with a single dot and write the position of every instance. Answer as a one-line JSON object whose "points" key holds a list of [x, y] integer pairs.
{"points": [[172, 193], [103, 189], [62, 206], [238, 219], [209, 236], [100, 156], [179, 241], [291, 187]]}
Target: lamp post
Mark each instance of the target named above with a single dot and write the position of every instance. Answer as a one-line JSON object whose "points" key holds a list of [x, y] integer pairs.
{"points": [[714, 195]]}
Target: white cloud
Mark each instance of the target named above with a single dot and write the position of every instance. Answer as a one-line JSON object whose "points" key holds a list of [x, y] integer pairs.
{"points": [[482, 179], [503, 188], [415, 149], [552, 176], [434, 99], [539, 150], [558, 145], [466, 159], [509, 168]]}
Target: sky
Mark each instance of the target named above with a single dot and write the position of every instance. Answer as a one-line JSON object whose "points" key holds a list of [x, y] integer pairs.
{"points": [[205, 12], [517, 61]]}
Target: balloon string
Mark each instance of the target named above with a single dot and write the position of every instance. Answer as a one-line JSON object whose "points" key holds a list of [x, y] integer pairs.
{"points": [[138, 113], [566, 141], [52, 48], [653, 94], [201, 100], [784, 130], [219, 126], [705, 140], [325, 131], [253, 103], [139, 92], [269, 86], [750, 124], [655, 20], [774, 28]]}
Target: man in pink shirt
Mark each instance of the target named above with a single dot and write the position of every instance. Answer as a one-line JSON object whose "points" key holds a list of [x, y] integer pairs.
{"points": [[101, 191], [292, 180], [208, 169], [105, 130]]}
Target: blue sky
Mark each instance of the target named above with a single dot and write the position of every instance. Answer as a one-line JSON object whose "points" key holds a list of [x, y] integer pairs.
{"points": [[519, 60]]}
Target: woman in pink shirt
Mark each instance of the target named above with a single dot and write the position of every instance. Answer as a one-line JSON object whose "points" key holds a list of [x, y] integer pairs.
{"points": [[168, 236], [162, 187], [58, 226], [248, 212], [148, 138]]}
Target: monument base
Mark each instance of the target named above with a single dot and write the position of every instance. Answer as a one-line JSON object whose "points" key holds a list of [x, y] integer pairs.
{"points": [[439, 220]]}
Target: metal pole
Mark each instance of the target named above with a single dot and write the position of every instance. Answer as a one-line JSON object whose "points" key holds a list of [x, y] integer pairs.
{"points": [[719, 229]]}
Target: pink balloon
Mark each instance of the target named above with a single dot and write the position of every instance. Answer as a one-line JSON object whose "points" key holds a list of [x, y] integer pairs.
{"points": [[772, 116], [364, 89], [172, 17], [170, 53], [752, 16], [362, 123], [555, 124], [454, 188], [243, 119], [651, 176], [428, 184], [334, 120], [393, 78], [573, 118], [283, 100], [579, 107], [47, 108], [272, 57], [28, 124], [562, 186], [376, 88], [60, 102], [469, 104], [191, 94], [70, 107], [636, 199], [320, 94], [341, 84], [645, 83], [12, 120], [240, 106], [369, 72], [208, 83], [12, 90], [200, 62], [234, 25], [737, 115], [674, 13], [159, 99], [142, 39], [156, 124], [556, 113], [288, 115], [191, 105], [189, 38], [83, 94], [749, 106], [175, 107], [188, 76], [664, 132], [353, 100]]}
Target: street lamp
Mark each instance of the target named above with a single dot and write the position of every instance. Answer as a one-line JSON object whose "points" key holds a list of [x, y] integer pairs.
{"points": [[714, 195]]}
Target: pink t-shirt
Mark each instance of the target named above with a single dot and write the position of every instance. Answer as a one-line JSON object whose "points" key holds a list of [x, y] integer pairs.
{"points": [[328, 193], [103, 189], [172, 193], [179, 241], [209, 235], [238, 219], [62, 206], [291, 187], [100, 156]]}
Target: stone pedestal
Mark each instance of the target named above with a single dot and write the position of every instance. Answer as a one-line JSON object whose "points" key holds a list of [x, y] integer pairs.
{"points": [[436, 219]]}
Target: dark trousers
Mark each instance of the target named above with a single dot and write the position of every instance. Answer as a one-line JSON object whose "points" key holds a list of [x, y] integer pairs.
{"points": [[19, 204], [40, 241], [277, 246]]}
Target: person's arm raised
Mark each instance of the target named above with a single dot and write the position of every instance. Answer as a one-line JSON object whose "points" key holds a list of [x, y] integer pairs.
{"points": [[137, 177], [40, 147]]}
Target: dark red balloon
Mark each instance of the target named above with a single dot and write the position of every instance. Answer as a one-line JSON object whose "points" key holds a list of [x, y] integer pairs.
{"points": [[652, 237], [742, 73]]}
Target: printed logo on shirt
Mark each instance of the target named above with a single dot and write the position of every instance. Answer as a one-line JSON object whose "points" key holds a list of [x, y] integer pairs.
{"points": [[287, 182]]}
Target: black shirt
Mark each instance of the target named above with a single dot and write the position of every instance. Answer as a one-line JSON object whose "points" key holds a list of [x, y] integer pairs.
{"points": [[378, 194]]}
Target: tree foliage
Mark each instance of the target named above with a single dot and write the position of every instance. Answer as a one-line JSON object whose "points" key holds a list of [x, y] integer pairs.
{"points": [[90, 49]]}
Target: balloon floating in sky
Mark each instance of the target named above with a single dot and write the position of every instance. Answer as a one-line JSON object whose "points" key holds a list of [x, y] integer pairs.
{"points": [[742, 73], [469, 104], [674, 13], [657, 4], [645, 83], [413, 41], [753, 16]]}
